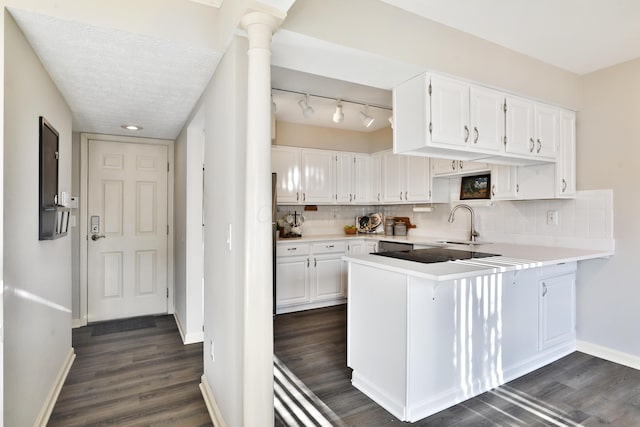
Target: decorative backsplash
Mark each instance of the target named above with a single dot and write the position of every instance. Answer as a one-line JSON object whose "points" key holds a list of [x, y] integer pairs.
{"points": [[583, 222]]}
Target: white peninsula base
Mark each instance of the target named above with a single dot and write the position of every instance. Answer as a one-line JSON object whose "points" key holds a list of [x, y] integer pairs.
{"points": [[418, 346]]}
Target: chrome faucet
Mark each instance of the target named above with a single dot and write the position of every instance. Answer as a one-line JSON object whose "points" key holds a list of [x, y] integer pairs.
{"points": [[474, 233]]}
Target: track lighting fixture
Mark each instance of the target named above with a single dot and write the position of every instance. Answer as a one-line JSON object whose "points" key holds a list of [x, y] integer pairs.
{"points": [[307, 110], [338, 115], [367, 120]]}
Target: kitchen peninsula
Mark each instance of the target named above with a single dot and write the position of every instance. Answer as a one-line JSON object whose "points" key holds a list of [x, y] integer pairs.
{"points": [[423, 337]]}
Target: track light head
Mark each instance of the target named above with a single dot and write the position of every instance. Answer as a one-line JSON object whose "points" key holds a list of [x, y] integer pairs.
{"points": [[307, 110], [366, 119], [338, 115]]}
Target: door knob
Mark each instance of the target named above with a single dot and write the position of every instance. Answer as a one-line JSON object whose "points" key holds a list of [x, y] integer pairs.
{"points": [[95, 237]]}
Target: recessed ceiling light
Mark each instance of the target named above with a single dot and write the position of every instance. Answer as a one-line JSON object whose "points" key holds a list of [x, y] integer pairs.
{"points": [[131, 127]]}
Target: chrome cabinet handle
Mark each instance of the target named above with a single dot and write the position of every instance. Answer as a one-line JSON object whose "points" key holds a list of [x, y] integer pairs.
{"points": [[544, 289], [493, 190], [475, 130], [539, 146], [466, 133], [292, 249], [297, 196], [378, 196], [350, 198], [329, 246], [401, 195], [405, 196], [315, 262], [307, 262], [517, 188], [96, 237], [564, 185], [532, 145], [460, 164], [453, 165], [304, 197]]}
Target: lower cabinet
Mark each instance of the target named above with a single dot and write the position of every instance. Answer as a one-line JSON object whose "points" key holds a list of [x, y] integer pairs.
{"points": [[309, 275], [556, 296]]}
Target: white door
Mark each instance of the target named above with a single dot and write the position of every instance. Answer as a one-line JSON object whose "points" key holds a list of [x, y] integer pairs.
{"points": [[418, 179], [450, 112], [317, 171], [127, 246], [487, 119]]}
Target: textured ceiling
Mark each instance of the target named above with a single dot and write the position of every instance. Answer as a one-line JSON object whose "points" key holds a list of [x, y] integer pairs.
{"points": [[577, 35], [111, 77]]}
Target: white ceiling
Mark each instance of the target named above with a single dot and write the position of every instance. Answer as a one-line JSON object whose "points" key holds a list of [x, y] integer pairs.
{"points": [[111, 77], [577, 35]]}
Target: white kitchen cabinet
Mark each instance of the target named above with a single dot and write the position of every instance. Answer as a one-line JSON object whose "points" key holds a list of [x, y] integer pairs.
{"points": [[355, 247], [353, 178], [371, 247], [376, 177], [317, 176], [405, 178], [532, 128], [486, 119], [446, 167], [557, 310], [285, 162], [449, 112], [566, 164], [504, 182], [363, 178], [309, 275], [344, 178]]}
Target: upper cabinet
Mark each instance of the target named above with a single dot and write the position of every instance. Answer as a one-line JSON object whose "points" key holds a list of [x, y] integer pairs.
{"points": [[405, 179], [318, 176], [285, 162], [566, 166], [448, 118]]}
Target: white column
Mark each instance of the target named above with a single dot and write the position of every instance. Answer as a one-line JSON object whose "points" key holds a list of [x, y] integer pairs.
{"points": [[258, 283]]}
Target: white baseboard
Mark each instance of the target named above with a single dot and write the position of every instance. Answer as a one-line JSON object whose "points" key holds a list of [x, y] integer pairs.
{"points": [[609, 354], [47, 409], [188, 338], [77, 323], [210, 401]]}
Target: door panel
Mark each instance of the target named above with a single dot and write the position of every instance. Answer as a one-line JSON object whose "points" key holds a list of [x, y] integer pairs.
{"points": [[127, 193]]}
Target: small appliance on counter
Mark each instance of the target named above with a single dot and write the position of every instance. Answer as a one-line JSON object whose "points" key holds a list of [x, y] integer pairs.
{"points": [[372, 223], [291, 225], [397, 225]]}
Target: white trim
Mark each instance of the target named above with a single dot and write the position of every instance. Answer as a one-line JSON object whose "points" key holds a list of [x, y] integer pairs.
{"points": [[77, 323], [47, 409], [188, 338], [212, 406], [84, 177], [609, 354]]}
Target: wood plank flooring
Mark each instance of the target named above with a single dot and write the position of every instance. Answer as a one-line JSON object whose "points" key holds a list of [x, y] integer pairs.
{"points": [[144, 377], [578, 390]]}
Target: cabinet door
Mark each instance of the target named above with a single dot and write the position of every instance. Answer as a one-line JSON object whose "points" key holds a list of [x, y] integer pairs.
{"points": [[328, 279], [376, 177], [515, 303], [504, 182], [392, 178], [487, 119], [557, 310], [519, 126], [285, 161], [344, 178], [449, 112], [355, 247], [317, 173], [362, 179], [465, 167], [441, 167], [418, 182], [566, 165], [547, 122], [292, 280], [371, 247]]}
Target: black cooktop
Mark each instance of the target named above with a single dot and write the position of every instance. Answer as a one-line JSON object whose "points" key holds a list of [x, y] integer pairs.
{"points": [[432, 255]]}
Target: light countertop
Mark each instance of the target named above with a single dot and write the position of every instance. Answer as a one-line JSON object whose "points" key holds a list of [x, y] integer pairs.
{"points": [[511, 256]]}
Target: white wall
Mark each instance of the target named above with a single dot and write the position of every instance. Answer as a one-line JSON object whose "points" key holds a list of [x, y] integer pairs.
{"points": [[37, 274], [607, 157], [188, 230], [224, 103]]}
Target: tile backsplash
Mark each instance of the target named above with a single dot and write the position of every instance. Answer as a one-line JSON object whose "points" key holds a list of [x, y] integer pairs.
{"points": [[584, 222]]}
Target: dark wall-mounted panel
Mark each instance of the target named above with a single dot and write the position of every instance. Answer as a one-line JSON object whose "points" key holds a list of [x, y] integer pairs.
{"points": [[54, 219]]}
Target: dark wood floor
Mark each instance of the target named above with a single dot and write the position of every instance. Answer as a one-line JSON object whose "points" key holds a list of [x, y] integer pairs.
{"points": [[144, 377], [576, 390]]}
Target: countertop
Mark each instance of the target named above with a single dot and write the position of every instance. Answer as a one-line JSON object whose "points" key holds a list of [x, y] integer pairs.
{"points": [[511, 257]]}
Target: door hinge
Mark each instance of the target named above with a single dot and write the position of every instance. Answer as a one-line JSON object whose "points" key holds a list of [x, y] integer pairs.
{"points": [[431, 127], [167, 166], [505, 106], [430, 89], [167, 229], [167, 292]]}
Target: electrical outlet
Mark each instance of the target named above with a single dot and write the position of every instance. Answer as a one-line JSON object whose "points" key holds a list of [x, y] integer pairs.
{"points": [[552, 217]]}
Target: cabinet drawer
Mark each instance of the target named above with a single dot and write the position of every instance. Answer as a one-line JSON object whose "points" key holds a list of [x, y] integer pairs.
{"points": [[329, 247], [292, 249], [558, 269]]}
